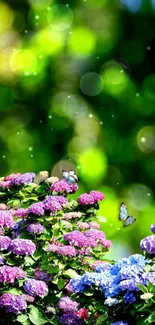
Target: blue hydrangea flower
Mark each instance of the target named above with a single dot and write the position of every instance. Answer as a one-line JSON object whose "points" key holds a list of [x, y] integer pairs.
{"points": [[119, 323], [129, 297]]}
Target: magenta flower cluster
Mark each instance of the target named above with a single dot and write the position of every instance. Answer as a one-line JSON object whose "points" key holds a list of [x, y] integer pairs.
{"points": [[20, 213], [9, 274], [91, 198], [63, 187], [91, 237]]}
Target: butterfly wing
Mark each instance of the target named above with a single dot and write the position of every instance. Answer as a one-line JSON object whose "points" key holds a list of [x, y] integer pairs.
{"points": [[123, 212], [129, 221], [65, 174], [71, 172], [71, 180]]}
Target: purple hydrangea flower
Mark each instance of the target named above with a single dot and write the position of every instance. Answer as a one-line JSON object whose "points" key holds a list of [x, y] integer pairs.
{"points": [[98, 196], [36, 208], [58, 198], [148, 277], [130, 284], [65, 250], [8, 219], [8, 274], [67, 305], [2, 261], [13, 304], [5, 242], [35, 287], [63, 187], [86, 199], [22, 246], [21, 213], [41, 275], [148, 244], [153, 228], [23, 179], [53, 206], [70, 319], [35, 228], [28, 298]]}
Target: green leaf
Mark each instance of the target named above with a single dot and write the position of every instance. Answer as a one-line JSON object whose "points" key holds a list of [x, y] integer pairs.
{"points": [[142, 288], [2, 194], [40, 189], [147, 268], [28, 189], [28, 261], [14, 203], [49, 218], [22, 318], [151, 318], [89, 293], [53, 269], [100, 320], [37, 317], [37, 254], [61, 283], [14, 291], [70, 273]]}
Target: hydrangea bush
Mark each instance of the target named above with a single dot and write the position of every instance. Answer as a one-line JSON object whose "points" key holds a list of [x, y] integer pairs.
{"points": [[53, 268]]}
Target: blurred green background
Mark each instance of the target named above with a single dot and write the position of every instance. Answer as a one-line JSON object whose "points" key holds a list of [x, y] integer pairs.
{"points": [[77, 90]]}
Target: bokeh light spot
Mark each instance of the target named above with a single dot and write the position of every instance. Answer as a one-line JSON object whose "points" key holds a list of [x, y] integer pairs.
{"points": [[23, 61], [91, 84], [93, 164], [60, 17], [115, 82], [138, 196], [132, 5], [82, 41], [146, 139]]}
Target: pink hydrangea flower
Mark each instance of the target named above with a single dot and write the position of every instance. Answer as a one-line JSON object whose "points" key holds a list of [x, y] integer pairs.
{"points": [[98, 196], [8, 274], [86, 199], [62, 186]]}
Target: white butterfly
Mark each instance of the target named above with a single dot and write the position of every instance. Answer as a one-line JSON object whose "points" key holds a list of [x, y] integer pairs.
{"points": [[124, 216], [70, 176]]}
